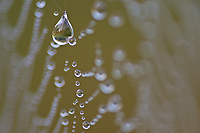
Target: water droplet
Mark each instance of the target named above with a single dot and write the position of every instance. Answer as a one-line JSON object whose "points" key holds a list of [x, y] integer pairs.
{"points": [[79, 93], [73, 131], [54, 45], [82, 34], [77, 73], [81, 105], [98, 61], [92, 123], [72, 41], [59, 81], [51, 51], [66, 69], [92, 23], [99, 116], [86, 125], [99, 10], [114, 104], [71, 111], [39, 13], [74, 122], [89, 30], [65, 122], [41, 4], [119, 55], [64, 113], [75, 102], [55, 13], [66, 61], [128, 126], [107, 87], [116, 72], [74, 64], [77, 83], [83, 118], [75, 117], [95, 120], [51, 65], [63, 30], [100, 75], [102, 109], [116, 20], [81, 112]]}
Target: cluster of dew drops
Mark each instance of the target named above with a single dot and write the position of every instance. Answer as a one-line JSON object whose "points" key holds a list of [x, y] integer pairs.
{"points": [[116, 20]]}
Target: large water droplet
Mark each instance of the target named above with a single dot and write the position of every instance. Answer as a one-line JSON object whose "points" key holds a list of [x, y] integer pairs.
{"points": [[79, 93], [64, 113], [114, 104], [86, 125], [99, 10], [41, 4], [65, 122], [100, 75], [71, 111], [107, 87], [77, 73], [116, 20], [59, 81], [63, 30]]}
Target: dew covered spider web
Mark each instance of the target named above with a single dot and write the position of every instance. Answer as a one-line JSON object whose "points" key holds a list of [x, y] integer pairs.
{"points": [[118, 66]]}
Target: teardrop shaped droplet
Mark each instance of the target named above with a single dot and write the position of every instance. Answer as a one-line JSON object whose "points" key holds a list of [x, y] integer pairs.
{"points": [[63, 30]]}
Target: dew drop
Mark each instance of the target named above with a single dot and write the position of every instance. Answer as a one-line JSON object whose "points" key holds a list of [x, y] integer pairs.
{"points": [[72, 41], [77, 83], [81, 112], [83, 118], [100, 75], [119, 55], [107, 87], [66, 61], [54, 45], [86, 125], [128, 126], [51, 51], [92, 123], [99, 10], [81, 105], [55, 13], [89, 30], [39, 13], [74, 64], [102, 109], [74, 122], [64, 113], [71, 111], [114, 104], [116, 20], [63, 30], [66, 69], [41, 4], [79, 93], [82, 34], [98, 61], [77, 73], [59, 81], [65, 122], [51, 65]]}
